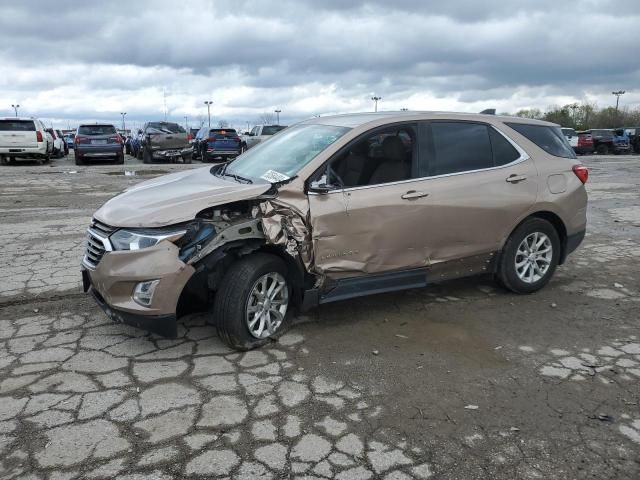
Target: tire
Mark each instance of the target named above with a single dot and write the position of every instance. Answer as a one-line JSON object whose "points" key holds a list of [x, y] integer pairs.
{"points": [[79, 160], [243, 148], [187, 158], [120, 159], [602, 149], [146, 156], [4, 160], [507, 274], [233, 296]]}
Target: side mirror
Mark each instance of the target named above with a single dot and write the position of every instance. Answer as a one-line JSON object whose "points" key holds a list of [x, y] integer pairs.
{"points": [[321, 189]]}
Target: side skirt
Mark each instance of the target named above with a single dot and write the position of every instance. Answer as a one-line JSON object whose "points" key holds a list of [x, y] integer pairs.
{"points": [[346, 288]]}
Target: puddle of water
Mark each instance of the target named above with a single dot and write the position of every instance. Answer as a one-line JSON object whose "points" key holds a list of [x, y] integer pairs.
{"points": [[137, 173]]}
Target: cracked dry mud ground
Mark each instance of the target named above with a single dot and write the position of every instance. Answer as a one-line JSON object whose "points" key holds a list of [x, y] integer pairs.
{"points": [[469, 382]]}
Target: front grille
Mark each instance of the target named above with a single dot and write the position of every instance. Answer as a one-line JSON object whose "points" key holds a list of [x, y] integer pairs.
{"points": [[97, 241]]}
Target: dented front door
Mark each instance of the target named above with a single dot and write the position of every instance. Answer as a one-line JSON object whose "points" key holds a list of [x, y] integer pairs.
{"points": [[371, 229]]}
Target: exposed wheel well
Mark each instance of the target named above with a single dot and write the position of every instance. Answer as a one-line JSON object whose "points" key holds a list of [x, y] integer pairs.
{"points": [[197, 294]]}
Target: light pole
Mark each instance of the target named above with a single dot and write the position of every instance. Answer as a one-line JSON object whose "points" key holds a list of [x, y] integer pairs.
{"points": [[15, 108], [123, 114], [208, 104], [617, 94], [277, 116], [375, 99], [186, 125]]}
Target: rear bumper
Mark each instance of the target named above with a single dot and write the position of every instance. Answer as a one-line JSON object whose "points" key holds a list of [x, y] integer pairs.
{"points": [[172, 152], [571, 245], [106, 151], [24, 151]]}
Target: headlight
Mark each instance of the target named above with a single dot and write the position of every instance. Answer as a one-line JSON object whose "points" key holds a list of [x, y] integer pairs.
{"points": [[137, 239]]}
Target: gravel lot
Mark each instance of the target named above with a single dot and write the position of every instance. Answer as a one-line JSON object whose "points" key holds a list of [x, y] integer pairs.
{"points": [[459, 380]]}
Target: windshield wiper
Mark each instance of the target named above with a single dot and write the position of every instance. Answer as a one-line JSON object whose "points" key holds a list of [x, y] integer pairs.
{"points": [[237, 178]]}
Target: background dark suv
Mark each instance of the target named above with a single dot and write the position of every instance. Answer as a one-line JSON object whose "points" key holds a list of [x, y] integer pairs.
{"points": [[98, 142]]}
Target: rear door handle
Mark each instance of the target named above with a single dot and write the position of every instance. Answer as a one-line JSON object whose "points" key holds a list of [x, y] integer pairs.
{"points": [[412, 195], [516, 178]]}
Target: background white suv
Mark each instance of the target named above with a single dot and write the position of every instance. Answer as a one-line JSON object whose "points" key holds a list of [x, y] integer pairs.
{"points": [[24, 137]]}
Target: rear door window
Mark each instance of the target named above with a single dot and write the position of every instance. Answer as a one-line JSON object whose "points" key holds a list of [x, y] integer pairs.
{"points": [[17, 126], [96, 130], [503, 152], [549, 139], [459, 147]]}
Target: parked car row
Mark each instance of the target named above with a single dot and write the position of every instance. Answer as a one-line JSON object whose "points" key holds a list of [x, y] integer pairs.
{"points": [[603, 141]]}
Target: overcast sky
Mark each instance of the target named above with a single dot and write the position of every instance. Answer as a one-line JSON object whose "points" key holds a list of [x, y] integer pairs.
{"points": [[68, 61]]}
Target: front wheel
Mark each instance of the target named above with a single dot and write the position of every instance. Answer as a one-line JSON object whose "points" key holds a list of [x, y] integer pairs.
{"points": [[251, 306], [602, 149], [529, 257]]}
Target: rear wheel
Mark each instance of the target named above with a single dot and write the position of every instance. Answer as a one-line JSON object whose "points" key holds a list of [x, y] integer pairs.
{"points": [[146, 156], [187, 158], [120, 159], [79, 160], [252, 303], [602, 149], [4, 160], [529, 257]]}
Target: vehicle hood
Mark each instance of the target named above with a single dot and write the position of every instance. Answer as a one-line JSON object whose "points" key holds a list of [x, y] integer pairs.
{"points": [[174, 198]]}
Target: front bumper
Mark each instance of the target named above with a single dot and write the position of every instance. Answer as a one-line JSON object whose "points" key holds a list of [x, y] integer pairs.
{"points": [[165, 325], [113, 280]]}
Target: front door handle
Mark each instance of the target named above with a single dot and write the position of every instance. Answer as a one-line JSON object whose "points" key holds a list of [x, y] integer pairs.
{"points": [[412, 195], [516, 178]]}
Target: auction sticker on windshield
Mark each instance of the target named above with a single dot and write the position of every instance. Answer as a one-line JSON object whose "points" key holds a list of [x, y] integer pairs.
{"points": [[274, 177]]}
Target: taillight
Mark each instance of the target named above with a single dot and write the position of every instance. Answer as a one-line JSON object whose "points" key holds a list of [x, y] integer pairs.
{"points": [[39, 136], [189, 137], [117, 138], [211, 139], [581, 172]]}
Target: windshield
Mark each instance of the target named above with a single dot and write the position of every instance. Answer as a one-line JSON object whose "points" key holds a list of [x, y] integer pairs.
{"points": [[282, 156]]}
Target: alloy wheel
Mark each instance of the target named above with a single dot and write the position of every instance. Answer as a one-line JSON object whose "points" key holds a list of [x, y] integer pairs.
{"points": [[267, 305], [533, 257]]}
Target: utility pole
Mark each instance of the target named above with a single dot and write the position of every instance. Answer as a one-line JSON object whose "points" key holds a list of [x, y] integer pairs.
{"points": [[15, 108], [375, 99], [123, 114], [277, 116], [617, 94], [164, 99], [248, 128], [208, 104], [186, 125]]}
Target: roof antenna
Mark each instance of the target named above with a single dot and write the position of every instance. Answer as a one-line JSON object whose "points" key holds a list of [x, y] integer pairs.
{"points": [[488, 111]]}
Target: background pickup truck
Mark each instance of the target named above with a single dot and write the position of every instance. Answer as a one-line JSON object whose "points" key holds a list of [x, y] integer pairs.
{"points": [[258, 134], [165, 141]]}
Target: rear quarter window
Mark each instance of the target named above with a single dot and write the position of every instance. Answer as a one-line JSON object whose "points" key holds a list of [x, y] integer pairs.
{"points": [[549, 139], [17, 126]]}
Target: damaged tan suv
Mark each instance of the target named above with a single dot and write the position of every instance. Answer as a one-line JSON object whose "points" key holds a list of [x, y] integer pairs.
{"points": [[334, 208]]}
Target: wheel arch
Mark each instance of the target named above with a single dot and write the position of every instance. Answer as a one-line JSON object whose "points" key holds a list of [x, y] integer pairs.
{"points": [[555, 220], [197, 294]]}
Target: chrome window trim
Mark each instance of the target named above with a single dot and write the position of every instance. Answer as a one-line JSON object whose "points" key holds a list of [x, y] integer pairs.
{"points": [[524, 156]]}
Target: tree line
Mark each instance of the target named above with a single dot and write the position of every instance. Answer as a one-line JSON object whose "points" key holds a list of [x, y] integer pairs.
{"points": [[585, 116]]}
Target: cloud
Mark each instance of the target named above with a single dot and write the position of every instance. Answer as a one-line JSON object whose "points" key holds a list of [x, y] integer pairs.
{"points": [[86, 60]]}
